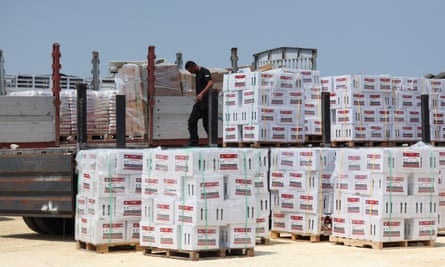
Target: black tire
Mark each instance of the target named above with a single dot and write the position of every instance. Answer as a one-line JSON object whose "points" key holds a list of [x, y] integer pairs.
{"points": [[53, 226], [29, 221]]}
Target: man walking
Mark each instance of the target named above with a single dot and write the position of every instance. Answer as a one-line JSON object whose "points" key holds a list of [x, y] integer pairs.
{"points": [[203, 83]]}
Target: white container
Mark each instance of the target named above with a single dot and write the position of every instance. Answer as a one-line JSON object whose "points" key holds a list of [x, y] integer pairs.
{"points": [[382, 230], [421, 228], [199, 237]]}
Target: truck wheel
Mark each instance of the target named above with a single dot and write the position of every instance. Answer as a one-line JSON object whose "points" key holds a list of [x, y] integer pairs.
{"points": [[29, 221], [51, 226]]}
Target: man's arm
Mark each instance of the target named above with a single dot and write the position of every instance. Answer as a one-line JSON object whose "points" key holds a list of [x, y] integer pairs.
{"points": [[204, 91]]}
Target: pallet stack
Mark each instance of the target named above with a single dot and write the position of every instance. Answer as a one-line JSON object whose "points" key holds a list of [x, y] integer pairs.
{"points": [[376, 108], [198, 200], [302, 191], [436, 91], [278, 105], [108, 204], [385, 195]]}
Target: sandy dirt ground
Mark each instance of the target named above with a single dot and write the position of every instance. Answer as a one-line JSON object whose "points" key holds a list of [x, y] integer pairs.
{"points": [[20, 247]]}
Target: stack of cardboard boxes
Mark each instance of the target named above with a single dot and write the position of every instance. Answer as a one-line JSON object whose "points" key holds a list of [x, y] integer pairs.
{"points": [[386, 194], [108, 205], [302, 190], [271, 106], [202, 199], [374, 107], [435, 88]]}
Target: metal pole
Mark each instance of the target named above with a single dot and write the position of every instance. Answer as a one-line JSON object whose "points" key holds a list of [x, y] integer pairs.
{"points": [[426, 134], [326, 118], [213, 118], [179, 61], [2, 74], [95, 71], [234, 59], [56, 89], [150, 90], [120, 121], [82, 115]]}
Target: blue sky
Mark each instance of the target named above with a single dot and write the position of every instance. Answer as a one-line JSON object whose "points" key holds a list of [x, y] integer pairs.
{"points": [[403, 38]]}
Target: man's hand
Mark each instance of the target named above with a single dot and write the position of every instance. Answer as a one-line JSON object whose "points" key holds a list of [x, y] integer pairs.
{"points": [[198, 98]]}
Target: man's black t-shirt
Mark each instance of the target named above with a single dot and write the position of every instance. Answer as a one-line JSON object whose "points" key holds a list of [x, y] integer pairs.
{"points": [[201, 79]]}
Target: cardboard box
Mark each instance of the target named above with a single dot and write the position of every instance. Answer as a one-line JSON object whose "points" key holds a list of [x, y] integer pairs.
{"points": [[345, 82], [423, 184], [296, 134], [283, 159], [207, 187], [421, 229], [101, 207], [164, 211], [106, 231], [199, 237], [241, 211], [151, 186], [239, 186], [167, 236], [278, 133], [312, 109], [280, 222], [340, 226], [422, 206], [294, 180], [395, 184], [135, 184], [386, 206], [262, 205], [114, 185], [326, 84], [359, 227], [382, 230], [343, 182], [289, 201], [148, 234], [81, 205], [295, 99], [278, 98], [262, 227], [128, 208], [133, 231], [201, 213], [147, 210], [232, 133], [255, 132], [308, 203], [261, 183], [192, 162], [241, 236], [231, 99]]}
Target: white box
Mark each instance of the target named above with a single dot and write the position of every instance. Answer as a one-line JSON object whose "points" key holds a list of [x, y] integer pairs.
{"points": [[293, 180], [308, 159], [404, 132], [378, 160], [303, 223], [198, 213], [277, 98], [239, 186], [147, 234], [400, 117], [353, 205], [114, 185], [106, 231], [200, 237], [312, 109], [422, 206], [295, 99], [135, 184], [262, 227], [207, 187], [361, 183], [417, 160], [385, 83], [283, 159], [326, 84], [280, 222], [83, 226], [87, 182], [278, 133], [289, 116], [101, 207], [359, 227], [378, 132], [164, 211], [231, 99], [414, 116], [129, 161], [261, 182], [395, 184], [423, 184], [343, 182], [374, 101], [350, 160], [262, 205], [236, 81], [81, 205], [382, 230], [308, 203], [242, 235], [289, 201], [242, 211], [421, 229], [386, 206], [232, 133], [167, 236], [340, 225], [128, 208], [133, 231], [172, 186], [151, 186], [147, 210], [405, 100], [313, 126], [255, 132], [345, 82], [193, 161], [296, 134], [368, 82], [274, 200]]}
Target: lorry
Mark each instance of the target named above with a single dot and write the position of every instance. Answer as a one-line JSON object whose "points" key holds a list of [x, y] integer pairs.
{"points": [[38, 179]]}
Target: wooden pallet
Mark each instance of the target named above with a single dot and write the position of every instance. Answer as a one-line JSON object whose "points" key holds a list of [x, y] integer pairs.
{"points": [[441, 231], [106, 248], [195, 255], [379, 245], [260, 240], [299, 237]]}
